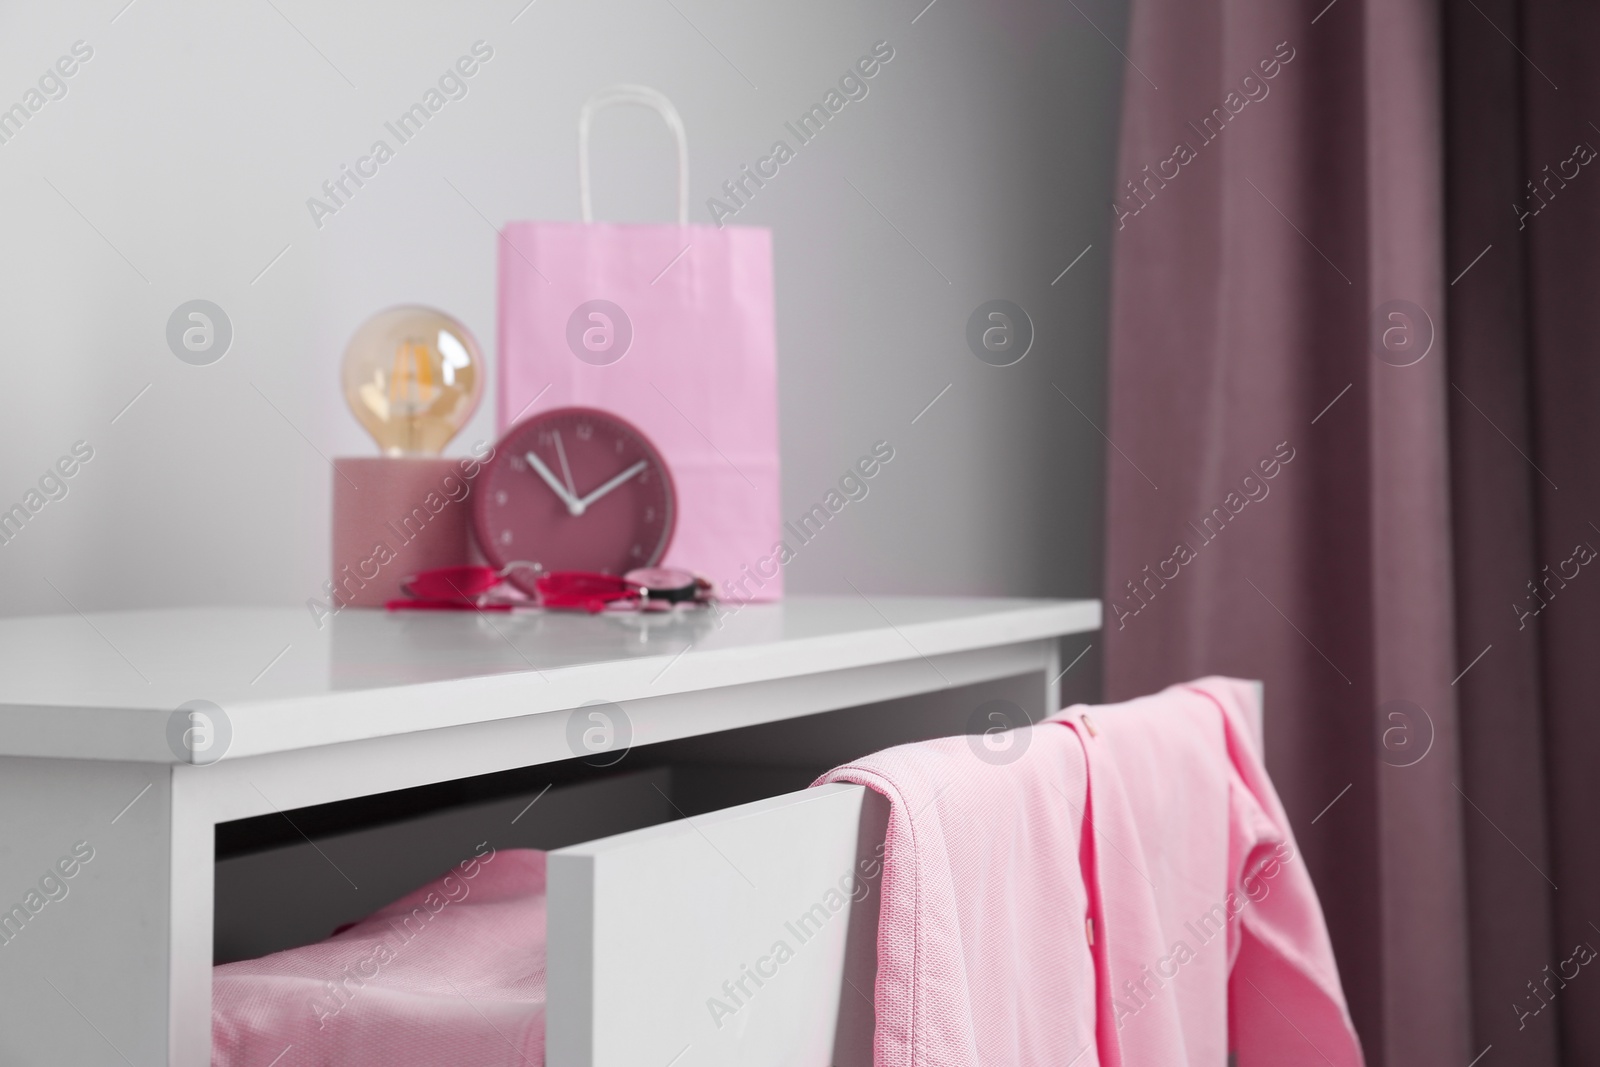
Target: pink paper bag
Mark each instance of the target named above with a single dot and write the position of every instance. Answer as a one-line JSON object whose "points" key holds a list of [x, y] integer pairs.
{"points": [[671, 328]]}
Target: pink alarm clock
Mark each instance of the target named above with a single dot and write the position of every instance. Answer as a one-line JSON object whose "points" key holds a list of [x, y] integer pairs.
{"points": [[574, 489]]}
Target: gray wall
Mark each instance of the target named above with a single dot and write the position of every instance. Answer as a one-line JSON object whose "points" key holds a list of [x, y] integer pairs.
{"points": [[178, 165]]}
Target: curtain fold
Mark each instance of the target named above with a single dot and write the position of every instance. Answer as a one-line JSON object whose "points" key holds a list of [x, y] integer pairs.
{"points": [[1348, 372], [1496, 531], [1560, 109]]}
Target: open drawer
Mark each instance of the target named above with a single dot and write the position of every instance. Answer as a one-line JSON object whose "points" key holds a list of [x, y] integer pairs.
{"points": [[746, 937]]}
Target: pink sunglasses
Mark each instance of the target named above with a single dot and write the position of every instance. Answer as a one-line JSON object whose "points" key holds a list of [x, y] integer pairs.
{"points": [[465, 588]]}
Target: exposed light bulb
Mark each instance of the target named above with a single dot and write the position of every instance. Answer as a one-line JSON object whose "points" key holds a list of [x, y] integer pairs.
{"points": [[412, 377]]}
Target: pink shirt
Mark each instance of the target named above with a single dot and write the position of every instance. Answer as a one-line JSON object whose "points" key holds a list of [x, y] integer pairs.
{"points": [[983, 939], [1120, 886]]}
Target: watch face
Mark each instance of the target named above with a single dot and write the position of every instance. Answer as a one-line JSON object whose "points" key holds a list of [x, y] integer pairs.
{"points": [[574, 489]]}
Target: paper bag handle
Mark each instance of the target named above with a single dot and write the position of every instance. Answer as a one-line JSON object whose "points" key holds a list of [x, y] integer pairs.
{"points": [[644, 96]]}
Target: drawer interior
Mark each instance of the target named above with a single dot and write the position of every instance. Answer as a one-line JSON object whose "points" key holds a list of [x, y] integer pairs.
{"points": [[291, 878], [275, 892]]}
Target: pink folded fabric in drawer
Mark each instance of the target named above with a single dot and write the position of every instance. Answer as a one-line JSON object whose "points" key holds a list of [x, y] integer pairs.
{"points": [[453, 973]]}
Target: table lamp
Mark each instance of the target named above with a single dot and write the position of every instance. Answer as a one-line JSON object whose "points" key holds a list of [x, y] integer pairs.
{"points": [[413, 377]]}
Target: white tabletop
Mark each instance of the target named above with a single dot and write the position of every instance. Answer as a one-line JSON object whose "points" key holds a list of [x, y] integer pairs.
{"points": [[104, 685]]}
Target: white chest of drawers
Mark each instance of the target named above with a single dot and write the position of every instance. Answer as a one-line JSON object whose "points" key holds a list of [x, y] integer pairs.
{"points": [[113, 964]]}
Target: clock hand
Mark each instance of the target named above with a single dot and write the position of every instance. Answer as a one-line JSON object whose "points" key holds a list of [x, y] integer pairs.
{"points": [[612, 484], [572, 490], [573, 506]]}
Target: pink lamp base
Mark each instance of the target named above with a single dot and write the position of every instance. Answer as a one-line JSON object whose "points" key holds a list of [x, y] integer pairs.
{"points": [[395, 516]]}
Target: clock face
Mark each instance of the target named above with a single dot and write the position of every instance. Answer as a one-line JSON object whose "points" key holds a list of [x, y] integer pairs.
{"points": [[574, 489]]}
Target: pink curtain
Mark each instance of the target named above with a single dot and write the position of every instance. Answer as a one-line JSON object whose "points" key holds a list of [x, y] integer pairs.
{"points": [[1338, 437]]}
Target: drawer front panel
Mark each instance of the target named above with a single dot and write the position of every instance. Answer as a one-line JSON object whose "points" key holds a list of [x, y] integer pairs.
{"points": [[743, 938]]}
